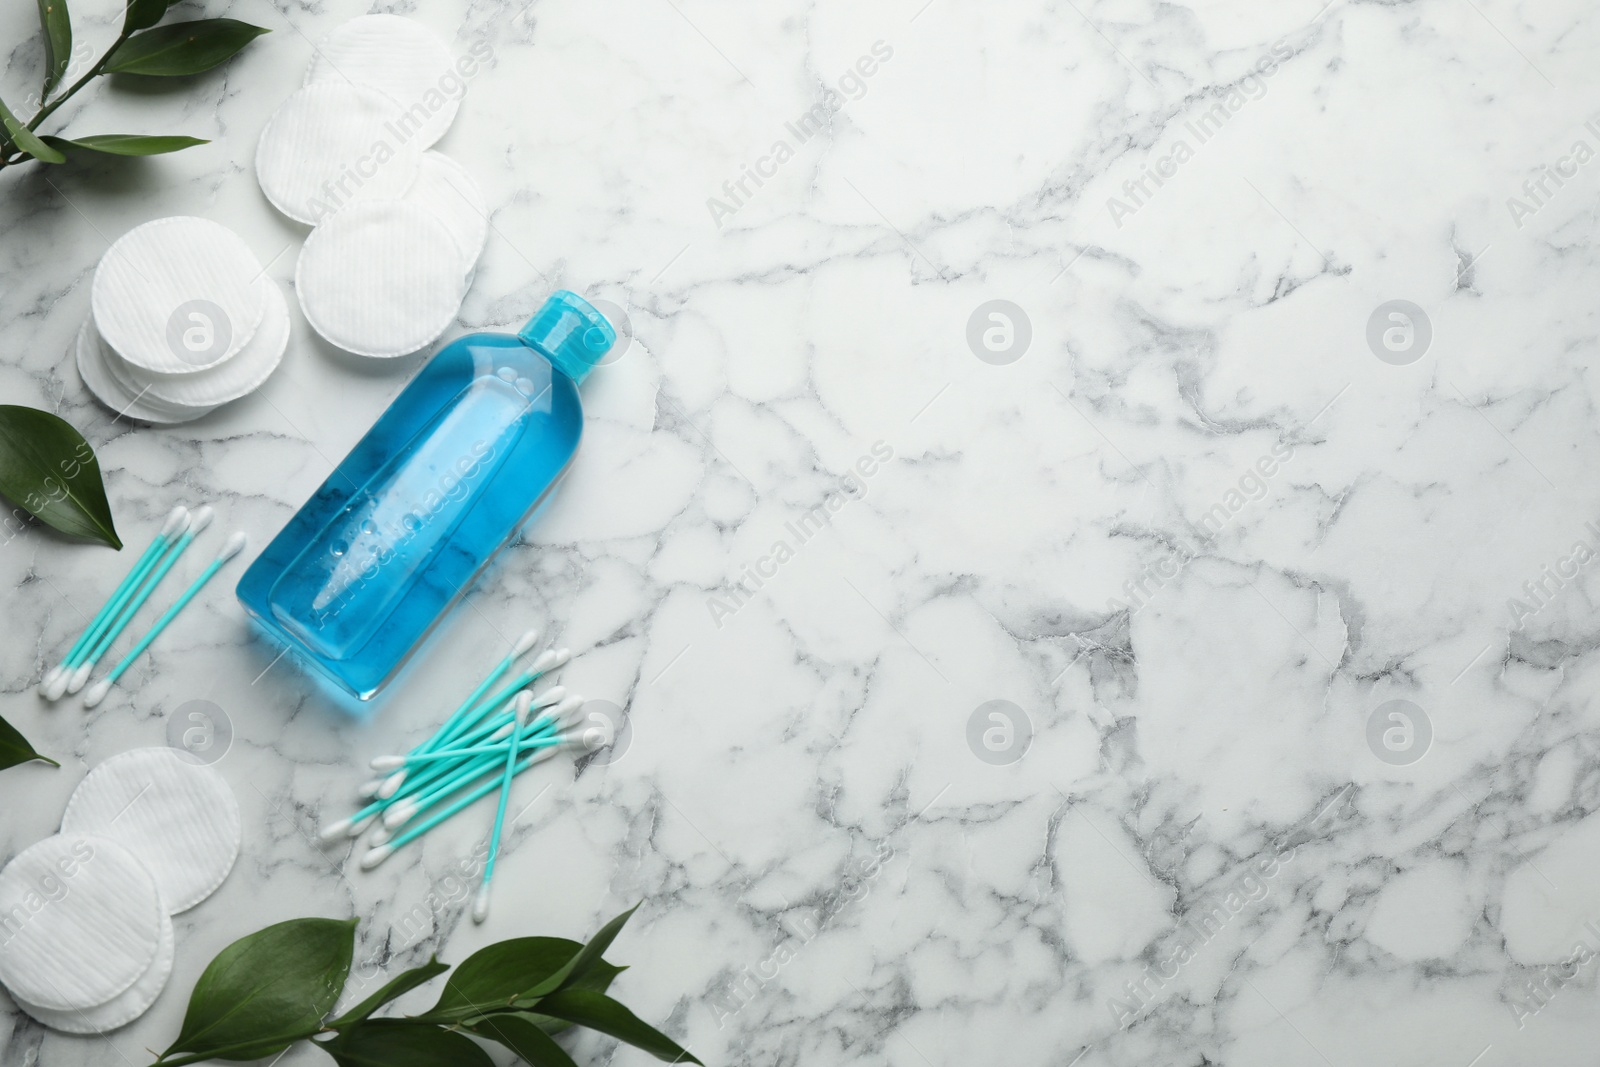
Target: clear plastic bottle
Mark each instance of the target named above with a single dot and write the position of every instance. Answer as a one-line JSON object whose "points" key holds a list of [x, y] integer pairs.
{"points": [[443, 481]]}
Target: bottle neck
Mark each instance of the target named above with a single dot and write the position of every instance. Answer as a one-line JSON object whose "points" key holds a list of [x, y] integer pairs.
{"points": [[570, 333]]}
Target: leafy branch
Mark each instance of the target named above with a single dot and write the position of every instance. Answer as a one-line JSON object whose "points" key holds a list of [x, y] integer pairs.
{"points": [[277, 987], [142, 47]]}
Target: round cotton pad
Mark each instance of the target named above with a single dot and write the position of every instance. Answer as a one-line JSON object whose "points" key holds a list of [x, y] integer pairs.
{"points": [[381, 279], [401, 59], [333, 144], [82, 922], [123, 1008], [176, 295], [242, 374], [115, 391], [177, 816], [445, 188]]}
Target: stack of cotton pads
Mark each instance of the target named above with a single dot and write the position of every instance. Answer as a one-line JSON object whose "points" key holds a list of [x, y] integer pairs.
{"points": [[182, 319], [86, 936], [398, 228]]}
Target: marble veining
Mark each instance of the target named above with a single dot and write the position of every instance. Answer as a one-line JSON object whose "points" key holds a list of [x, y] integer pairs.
{"points": [[1014, 688]]}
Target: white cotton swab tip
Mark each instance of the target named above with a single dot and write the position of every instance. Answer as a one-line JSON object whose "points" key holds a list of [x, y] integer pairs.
{"points": [[369, 789], [480, 906], [386, 763], [376, 856], [78, 678], [398, 813], [97, 693], [549, 660], [550, 696], [391, 785], [334, 830], [49, 680], [59, 686], [177, 520], [234, 546], [201, 519], [380, 836], [525, 644], [569, 710], [356, 829]]}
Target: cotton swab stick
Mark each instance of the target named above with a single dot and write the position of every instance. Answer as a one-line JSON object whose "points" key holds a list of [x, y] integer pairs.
{"points": [[495, 730], [384, 851], [97, 693], [523, 646], [111, 613], [177, 520], [480, 906], [355, 825], [201, 520], [537, 734], [548, 661], [459, 728]]}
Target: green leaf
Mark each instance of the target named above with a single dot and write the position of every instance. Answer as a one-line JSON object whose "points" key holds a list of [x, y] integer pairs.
{"points": [[142, 14], [266, 991], [124, 144], [598, 980], [14, 748], [57, 24], [402, 1043], [395, 988], [525, 1038], [182, 48], [495, 977], [24, 138], [586, 959], [599, 1012], [49, 469]]}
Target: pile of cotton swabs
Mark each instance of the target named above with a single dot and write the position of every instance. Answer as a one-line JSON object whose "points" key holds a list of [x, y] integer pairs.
{"points": [[103, 630], [482, 746]]}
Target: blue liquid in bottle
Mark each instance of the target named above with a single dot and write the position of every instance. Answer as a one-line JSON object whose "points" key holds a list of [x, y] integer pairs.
{"points": [[443, 480]]}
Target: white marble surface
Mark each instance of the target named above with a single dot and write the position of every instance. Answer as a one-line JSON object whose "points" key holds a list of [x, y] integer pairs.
{"points": [[799, 800]]}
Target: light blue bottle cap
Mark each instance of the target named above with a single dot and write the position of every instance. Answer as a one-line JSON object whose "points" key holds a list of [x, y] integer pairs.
{"points": [[570, 333]]}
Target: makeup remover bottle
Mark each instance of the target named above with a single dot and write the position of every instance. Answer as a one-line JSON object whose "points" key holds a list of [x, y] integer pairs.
{"points": [[443, 481]]}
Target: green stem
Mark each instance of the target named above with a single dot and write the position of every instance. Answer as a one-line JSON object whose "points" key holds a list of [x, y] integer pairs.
{"points": [[62, 97], [222, 1053], [93, 72]]}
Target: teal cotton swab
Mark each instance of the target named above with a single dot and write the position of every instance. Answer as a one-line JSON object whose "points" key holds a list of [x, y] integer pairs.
{"points": [[568, 712], [549, 660], [202, 519], [494, 729], [177, 520], [400, 785], [523, 646], [480, 906], [384, 851], [98, 692]]}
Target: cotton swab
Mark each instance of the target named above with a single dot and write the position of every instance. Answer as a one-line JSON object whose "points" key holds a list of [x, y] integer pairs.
{"points": [[474, 741], [496, 731], [523, 646], [201, 520], [384, 851], [548, 661], [357, 824], [97, 693], [177, 520], [538, 735], [480, 906]]}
